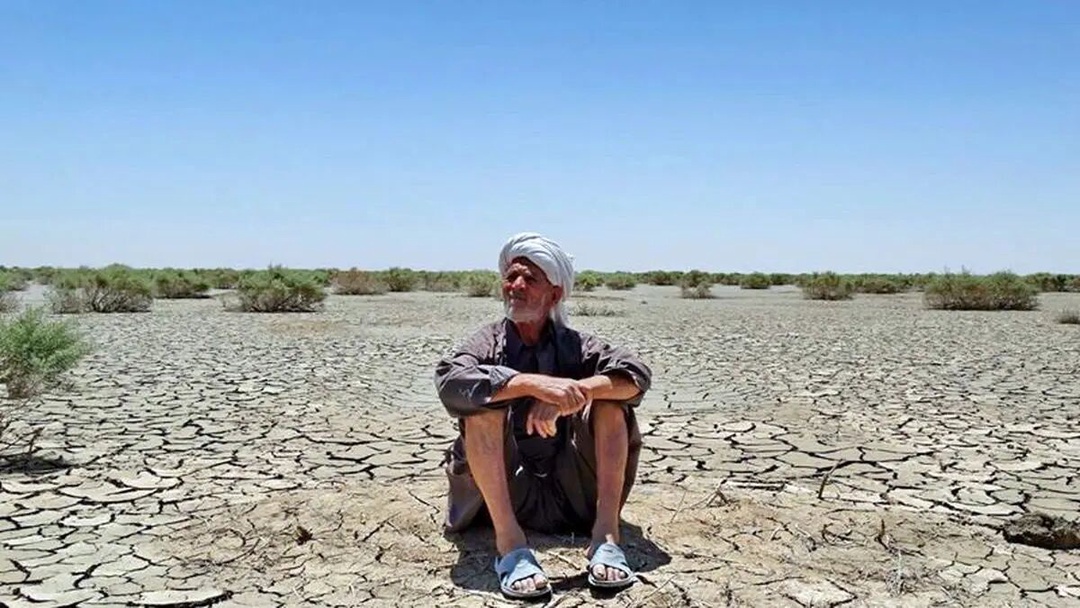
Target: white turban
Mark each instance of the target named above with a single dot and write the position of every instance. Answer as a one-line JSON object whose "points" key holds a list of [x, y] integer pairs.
{"points": [[550, 257]]}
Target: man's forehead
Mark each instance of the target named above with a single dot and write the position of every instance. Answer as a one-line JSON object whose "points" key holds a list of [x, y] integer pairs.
{"points": [[520, 263]]}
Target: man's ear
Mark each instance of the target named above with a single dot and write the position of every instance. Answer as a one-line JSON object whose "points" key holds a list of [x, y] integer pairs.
{"points": [[558, 294]]}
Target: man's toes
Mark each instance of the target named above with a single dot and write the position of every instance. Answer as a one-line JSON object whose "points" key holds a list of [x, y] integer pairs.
{"points": [[614, 574], [540, 581], [600, 572]]}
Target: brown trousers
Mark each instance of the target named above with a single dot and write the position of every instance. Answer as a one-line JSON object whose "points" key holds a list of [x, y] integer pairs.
{"points": [[562, 501]]}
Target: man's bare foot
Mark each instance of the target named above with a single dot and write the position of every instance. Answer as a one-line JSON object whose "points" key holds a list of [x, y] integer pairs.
{"points": [[602, 572], [515, 539]]}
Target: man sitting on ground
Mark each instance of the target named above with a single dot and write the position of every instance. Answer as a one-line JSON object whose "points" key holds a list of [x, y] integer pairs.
{"points": [[548, 436]]}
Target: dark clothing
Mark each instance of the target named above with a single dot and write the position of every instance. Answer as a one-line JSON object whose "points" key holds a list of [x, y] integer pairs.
{"points": [[552, 480]]}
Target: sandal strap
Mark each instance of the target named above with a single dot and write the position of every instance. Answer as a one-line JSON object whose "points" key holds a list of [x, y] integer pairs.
{"points": [[519, 563], [612, 556]]}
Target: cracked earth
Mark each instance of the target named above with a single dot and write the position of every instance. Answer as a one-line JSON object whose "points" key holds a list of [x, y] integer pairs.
{"points": [[797, 453]]}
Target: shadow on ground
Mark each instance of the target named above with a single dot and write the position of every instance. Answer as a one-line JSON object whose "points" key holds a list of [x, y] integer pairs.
{"points": [[562, 557]]}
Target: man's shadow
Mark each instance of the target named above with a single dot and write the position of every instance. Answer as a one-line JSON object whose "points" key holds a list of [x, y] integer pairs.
{"points": [[475, 568]]}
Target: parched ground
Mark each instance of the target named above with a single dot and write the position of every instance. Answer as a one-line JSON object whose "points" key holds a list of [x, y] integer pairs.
{"points": [[862, 453]]}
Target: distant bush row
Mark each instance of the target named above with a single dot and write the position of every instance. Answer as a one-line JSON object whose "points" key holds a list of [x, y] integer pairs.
{"points": [[118, 288]]}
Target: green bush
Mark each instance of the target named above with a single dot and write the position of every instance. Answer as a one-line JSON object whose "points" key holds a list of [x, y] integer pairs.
{"points": [[696, 285], [999, 291], [178, 284], [1047, 282], [755, 280], [588, 280], [112, 289], [278, 290], [662, 277], [400, 279], [8, 300], [34, 352], [481, 284], [355, 282], [827, 286], [620, 281], [879, 284], [13, 280]]}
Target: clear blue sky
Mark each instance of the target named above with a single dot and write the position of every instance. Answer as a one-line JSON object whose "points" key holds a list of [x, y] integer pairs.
{"points": [[727, 136]]}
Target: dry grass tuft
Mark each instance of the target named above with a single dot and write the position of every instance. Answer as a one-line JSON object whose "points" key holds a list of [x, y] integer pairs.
{"points": [[592, 309], [1069, 317]]}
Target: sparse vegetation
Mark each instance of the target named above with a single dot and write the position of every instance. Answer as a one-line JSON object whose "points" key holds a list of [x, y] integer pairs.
{"points": [[879, 284], [963, 291], [35, 351], [278, 290], [588, 280], [113, 289], [355, 282], [620, 281], [593, 309], [696, 285], [481, 284], [755, 280], [1069, 317], [179, 284], [827, 286], [8, 300], [400, 279]]}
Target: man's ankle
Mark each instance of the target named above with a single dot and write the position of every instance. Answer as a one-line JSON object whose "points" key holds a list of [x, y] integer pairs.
{"points": [[510, 540]]}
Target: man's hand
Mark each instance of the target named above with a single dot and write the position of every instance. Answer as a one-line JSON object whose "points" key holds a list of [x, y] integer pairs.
{"points": [[566, 394], [541, 419]]}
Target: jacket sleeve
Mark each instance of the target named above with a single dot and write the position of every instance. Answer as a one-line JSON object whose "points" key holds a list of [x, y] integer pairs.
{"points": [[600, 357], [467, 379]]}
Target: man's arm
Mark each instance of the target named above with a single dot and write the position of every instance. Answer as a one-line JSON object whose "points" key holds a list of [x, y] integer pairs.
{"points": [[613, 372], [468, 381]]}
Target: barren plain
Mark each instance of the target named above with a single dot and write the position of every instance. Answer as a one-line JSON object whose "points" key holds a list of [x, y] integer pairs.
{"points": [[203, 457]]}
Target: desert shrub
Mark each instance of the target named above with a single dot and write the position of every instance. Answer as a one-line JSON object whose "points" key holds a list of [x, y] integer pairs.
{"points": [[34, 352], [879, 284], [827, 286], [481, 284], [438, 282], [13, 280], [177, 284], [400, 279], [593, 309], [112, 289], [8, 300], [696, 285], [963, 291], [1047, 282], [222, 278], [277, 289], [588, 280], [781, 278], [620, 281], [755, 280], [1069, 317], [355, 282], [662, 277]]}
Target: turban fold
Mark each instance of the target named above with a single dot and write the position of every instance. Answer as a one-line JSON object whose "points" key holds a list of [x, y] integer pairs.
{"points": [[550, 257]]}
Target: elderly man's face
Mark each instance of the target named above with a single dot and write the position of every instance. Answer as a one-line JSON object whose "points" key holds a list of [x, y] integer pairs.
{"points": [[529, 294]]}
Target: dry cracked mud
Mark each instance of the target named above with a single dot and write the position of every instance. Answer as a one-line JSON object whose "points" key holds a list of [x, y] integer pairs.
{"points": [[797, 453]]}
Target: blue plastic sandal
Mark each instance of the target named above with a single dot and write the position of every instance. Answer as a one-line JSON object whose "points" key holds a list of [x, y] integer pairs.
{"points": [[518, 565], [610, 555]]}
